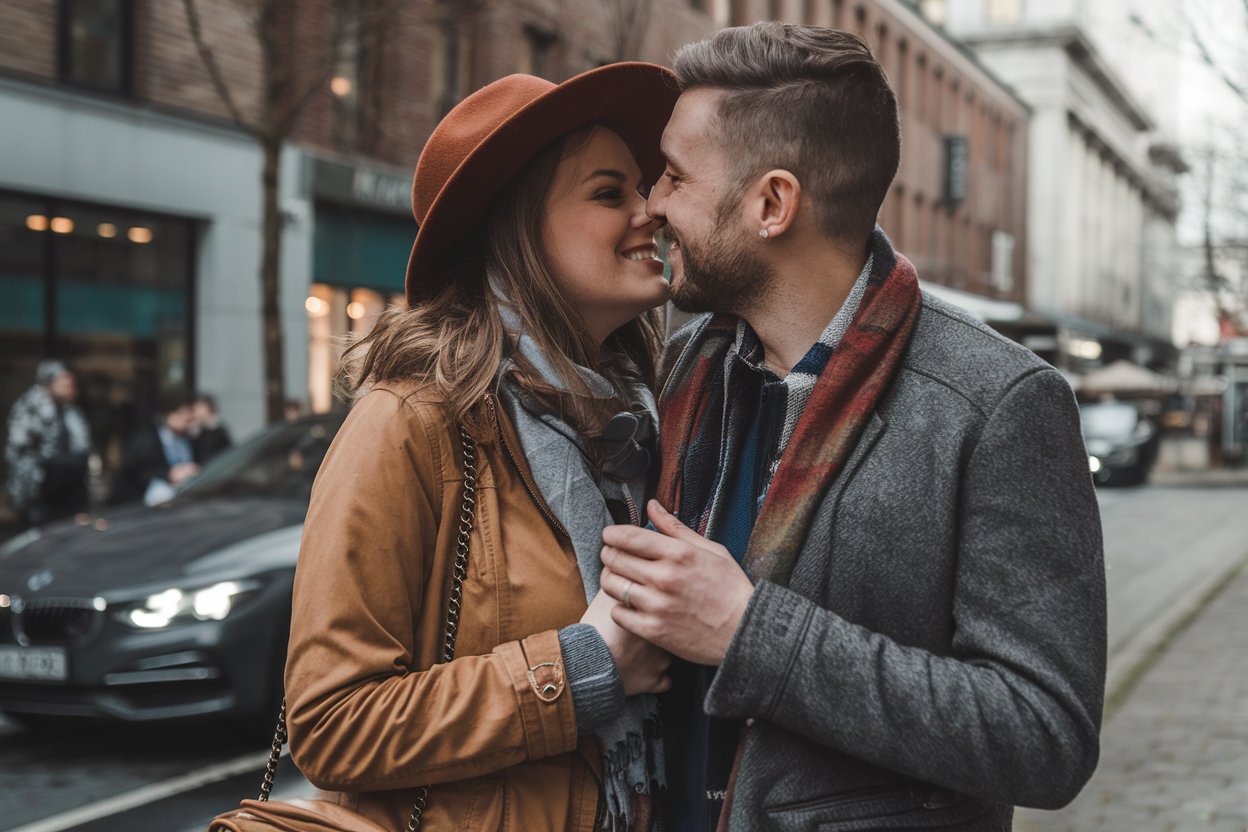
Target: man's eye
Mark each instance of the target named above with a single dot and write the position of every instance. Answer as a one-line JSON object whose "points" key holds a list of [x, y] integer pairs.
{"points": [[673, 177]]}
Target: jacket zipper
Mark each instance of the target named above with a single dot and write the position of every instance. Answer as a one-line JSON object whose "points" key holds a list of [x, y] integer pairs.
{"points": [[634, 516], [524, 477]]}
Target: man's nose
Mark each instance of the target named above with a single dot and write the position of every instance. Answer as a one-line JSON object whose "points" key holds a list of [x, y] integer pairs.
{"points": [[656, 203]]}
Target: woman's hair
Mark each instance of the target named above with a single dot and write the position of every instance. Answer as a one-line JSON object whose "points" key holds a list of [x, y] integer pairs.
{"points": [[455, 341]]}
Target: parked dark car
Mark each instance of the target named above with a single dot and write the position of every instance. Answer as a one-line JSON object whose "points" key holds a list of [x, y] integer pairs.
{"points": [[176, 611], [1121, 442]]}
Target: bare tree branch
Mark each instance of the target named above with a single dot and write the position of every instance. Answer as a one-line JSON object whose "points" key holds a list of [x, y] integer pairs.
{"points": [[210, 62], [1207, 58]]}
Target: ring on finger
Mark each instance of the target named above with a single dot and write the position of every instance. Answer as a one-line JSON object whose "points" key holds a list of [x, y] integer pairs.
{"points": [[624, 595]]}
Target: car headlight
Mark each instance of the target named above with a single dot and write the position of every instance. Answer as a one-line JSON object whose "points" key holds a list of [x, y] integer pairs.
{"points": [[1094, 464], [212, 603]]}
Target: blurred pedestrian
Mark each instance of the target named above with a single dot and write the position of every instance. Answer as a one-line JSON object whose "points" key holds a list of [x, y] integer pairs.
{"points": [[292, 410], [158, 456], [208, 436], [46, 448]]}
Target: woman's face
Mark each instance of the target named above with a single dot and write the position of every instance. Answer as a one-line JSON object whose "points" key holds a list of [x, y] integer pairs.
{"points": [[598, 237]]}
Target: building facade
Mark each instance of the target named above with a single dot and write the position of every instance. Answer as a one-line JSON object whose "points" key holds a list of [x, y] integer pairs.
{"points": [[130, 197], [1102, 192]]}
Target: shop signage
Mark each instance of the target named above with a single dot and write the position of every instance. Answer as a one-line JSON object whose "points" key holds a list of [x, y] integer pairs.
{"points": [[366, 187]]}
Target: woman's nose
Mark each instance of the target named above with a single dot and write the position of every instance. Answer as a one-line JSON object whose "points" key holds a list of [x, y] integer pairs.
{"points": [[641, 215]]}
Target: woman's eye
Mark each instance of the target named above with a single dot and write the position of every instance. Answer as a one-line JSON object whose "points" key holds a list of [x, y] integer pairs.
{"points": [[609, 193]]}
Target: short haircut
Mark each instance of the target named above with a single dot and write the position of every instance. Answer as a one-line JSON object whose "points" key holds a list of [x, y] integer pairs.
{"points": [[809, 100], [206, 398], [172, 401]]}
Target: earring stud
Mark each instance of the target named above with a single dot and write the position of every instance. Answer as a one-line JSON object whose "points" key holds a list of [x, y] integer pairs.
{"points": [[763, 233]]}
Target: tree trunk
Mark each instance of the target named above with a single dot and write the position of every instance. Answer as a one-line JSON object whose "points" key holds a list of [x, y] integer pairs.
{"points": [[270, 280]]}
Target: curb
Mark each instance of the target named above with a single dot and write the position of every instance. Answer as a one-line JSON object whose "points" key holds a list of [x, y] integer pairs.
{"points": [[1125, 670]]}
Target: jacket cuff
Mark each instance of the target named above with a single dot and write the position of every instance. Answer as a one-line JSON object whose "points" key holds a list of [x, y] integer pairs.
{"points": [[535, 665], [595, 684], [755, 670]]}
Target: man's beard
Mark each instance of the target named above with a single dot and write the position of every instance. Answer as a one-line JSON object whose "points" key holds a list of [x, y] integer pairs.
{"points": [[724, 276]]}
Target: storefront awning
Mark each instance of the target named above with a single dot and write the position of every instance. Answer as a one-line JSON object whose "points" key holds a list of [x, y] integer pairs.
{"points": [[986, 309], [357, 248]]}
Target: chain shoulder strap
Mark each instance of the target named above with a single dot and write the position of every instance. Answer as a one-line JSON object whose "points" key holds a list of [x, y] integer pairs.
{"points": [[467, 513]]}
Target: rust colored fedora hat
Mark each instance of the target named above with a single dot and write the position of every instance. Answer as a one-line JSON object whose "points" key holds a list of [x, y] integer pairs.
{"points": [[489, 136]]}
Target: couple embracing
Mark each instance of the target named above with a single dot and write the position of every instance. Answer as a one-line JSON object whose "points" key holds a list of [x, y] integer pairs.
{"points": [[828, 559]]}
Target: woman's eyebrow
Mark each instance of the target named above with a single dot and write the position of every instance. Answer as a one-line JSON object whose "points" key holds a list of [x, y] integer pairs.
{"points": [[614, 174]]}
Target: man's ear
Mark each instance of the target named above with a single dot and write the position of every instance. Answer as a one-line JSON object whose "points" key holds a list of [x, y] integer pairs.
{"points": [[772, 203]]}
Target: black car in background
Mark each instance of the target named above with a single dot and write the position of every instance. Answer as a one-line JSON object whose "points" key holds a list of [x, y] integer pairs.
{"points": [[1121, 442], [180, 610]]}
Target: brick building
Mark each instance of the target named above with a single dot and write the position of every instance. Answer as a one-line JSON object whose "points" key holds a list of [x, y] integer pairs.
{"points": [[130, 197]]}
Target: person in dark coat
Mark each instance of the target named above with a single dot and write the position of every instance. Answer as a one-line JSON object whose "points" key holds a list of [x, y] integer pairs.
{"points": [[158, 457], [208, 436], [877, 551], [46, 448]]}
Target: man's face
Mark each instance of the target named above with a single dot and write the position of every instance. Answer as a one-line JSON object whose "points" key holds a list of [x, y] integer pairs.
{"points": [[180, 420], [714, 262], [203, 414], [64, 388]]}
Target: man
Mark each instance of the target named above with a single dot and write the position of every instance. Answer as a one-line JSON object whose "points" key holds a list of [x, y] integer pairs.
{"points": [[884, 573], [46, 448], [208, 436], [159, 456]]}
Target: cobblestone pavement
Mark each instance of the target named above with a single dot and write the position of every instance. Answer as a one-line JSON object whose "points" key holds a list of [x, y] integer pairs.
{"points": [[1175, 756]]}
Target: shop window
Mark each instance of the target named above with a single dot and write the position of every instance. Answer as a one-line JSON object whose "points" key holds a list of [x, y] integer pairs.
{"points": [[106, 290], [337, 316], [95, 44]]}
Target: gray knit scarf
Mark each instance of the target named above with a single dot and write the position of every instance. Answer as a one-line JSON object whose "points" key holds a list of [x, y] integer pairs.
{"points": [[558, 459]]}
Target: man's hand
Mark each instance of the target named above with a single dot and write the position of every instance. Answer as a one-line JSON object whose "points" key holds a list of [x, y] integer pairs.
{"points": [[641, 665], [676, 588], [182, 471]]}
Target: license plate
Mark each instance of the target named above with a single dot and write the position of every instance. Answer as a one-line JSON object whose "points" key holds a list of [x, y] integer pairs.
{"points": [[44, 664]]}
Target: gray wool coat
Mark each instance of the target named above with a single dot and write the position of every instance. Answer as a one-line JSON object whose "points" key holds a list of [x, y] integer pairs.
{"points": [[939, 654]]}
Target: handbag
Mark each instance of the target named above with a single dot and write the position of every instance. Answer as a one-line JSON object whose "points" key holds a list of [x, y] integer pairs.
{"points": [[325, 815]]}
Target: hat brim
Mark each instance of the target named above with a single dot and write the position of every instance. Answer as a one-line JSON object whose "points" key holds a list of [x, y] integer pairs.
{"points": [[633, 99]]}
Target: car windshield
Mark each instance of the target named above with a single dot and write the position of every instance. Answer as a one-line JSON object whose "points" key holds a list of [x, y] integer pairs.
{"points": [[278, 462], [1108, 421]]}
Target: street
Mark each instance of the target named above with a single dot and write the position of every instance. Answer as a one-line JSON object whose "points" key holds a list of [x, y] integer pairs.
{"points": [[1166, 544]]}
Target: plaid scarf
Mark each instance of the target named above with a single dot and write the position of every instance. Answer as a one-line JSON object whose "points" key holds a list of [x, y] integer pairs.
{"points": [[837, 406]]}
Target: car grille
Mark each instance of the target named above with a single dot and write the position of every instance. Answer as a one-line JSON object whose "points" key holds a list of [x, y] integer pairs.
{"points": [[62, 621]]}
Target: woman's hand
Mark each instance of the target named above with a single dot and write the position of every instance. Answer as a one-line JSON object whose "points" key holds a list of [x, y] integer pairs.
{"points": [[641, 665]]}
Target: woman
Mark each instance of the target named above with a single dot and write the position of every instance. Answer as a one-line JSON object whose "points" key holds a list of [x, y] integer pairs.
{"points": [[532, 288]]}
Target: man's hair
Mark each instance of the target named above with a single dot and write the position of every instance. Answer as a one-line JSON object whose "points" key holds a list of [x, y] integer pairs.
{"points": [[206, 398], [172, 401], [809, 100]]}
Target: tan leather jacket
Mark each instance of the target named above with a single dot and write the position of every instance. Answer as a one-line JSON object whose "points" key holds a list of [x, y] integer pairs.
{"points": [[372, 713]]}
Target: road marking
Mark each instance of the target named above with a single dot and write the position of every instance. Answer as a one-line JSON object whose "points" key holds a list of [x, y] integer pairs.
{"points": [[149, 794]]}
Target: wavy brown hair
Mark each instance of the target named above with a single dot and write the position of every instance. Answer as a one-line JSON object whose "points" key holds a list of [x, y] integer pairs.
{"points": [[455, 341]]}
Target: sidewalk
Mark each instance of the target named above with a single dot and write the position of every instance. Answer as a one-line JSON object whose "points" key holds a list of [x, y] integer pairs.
{"points": [[1175, 755]]}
